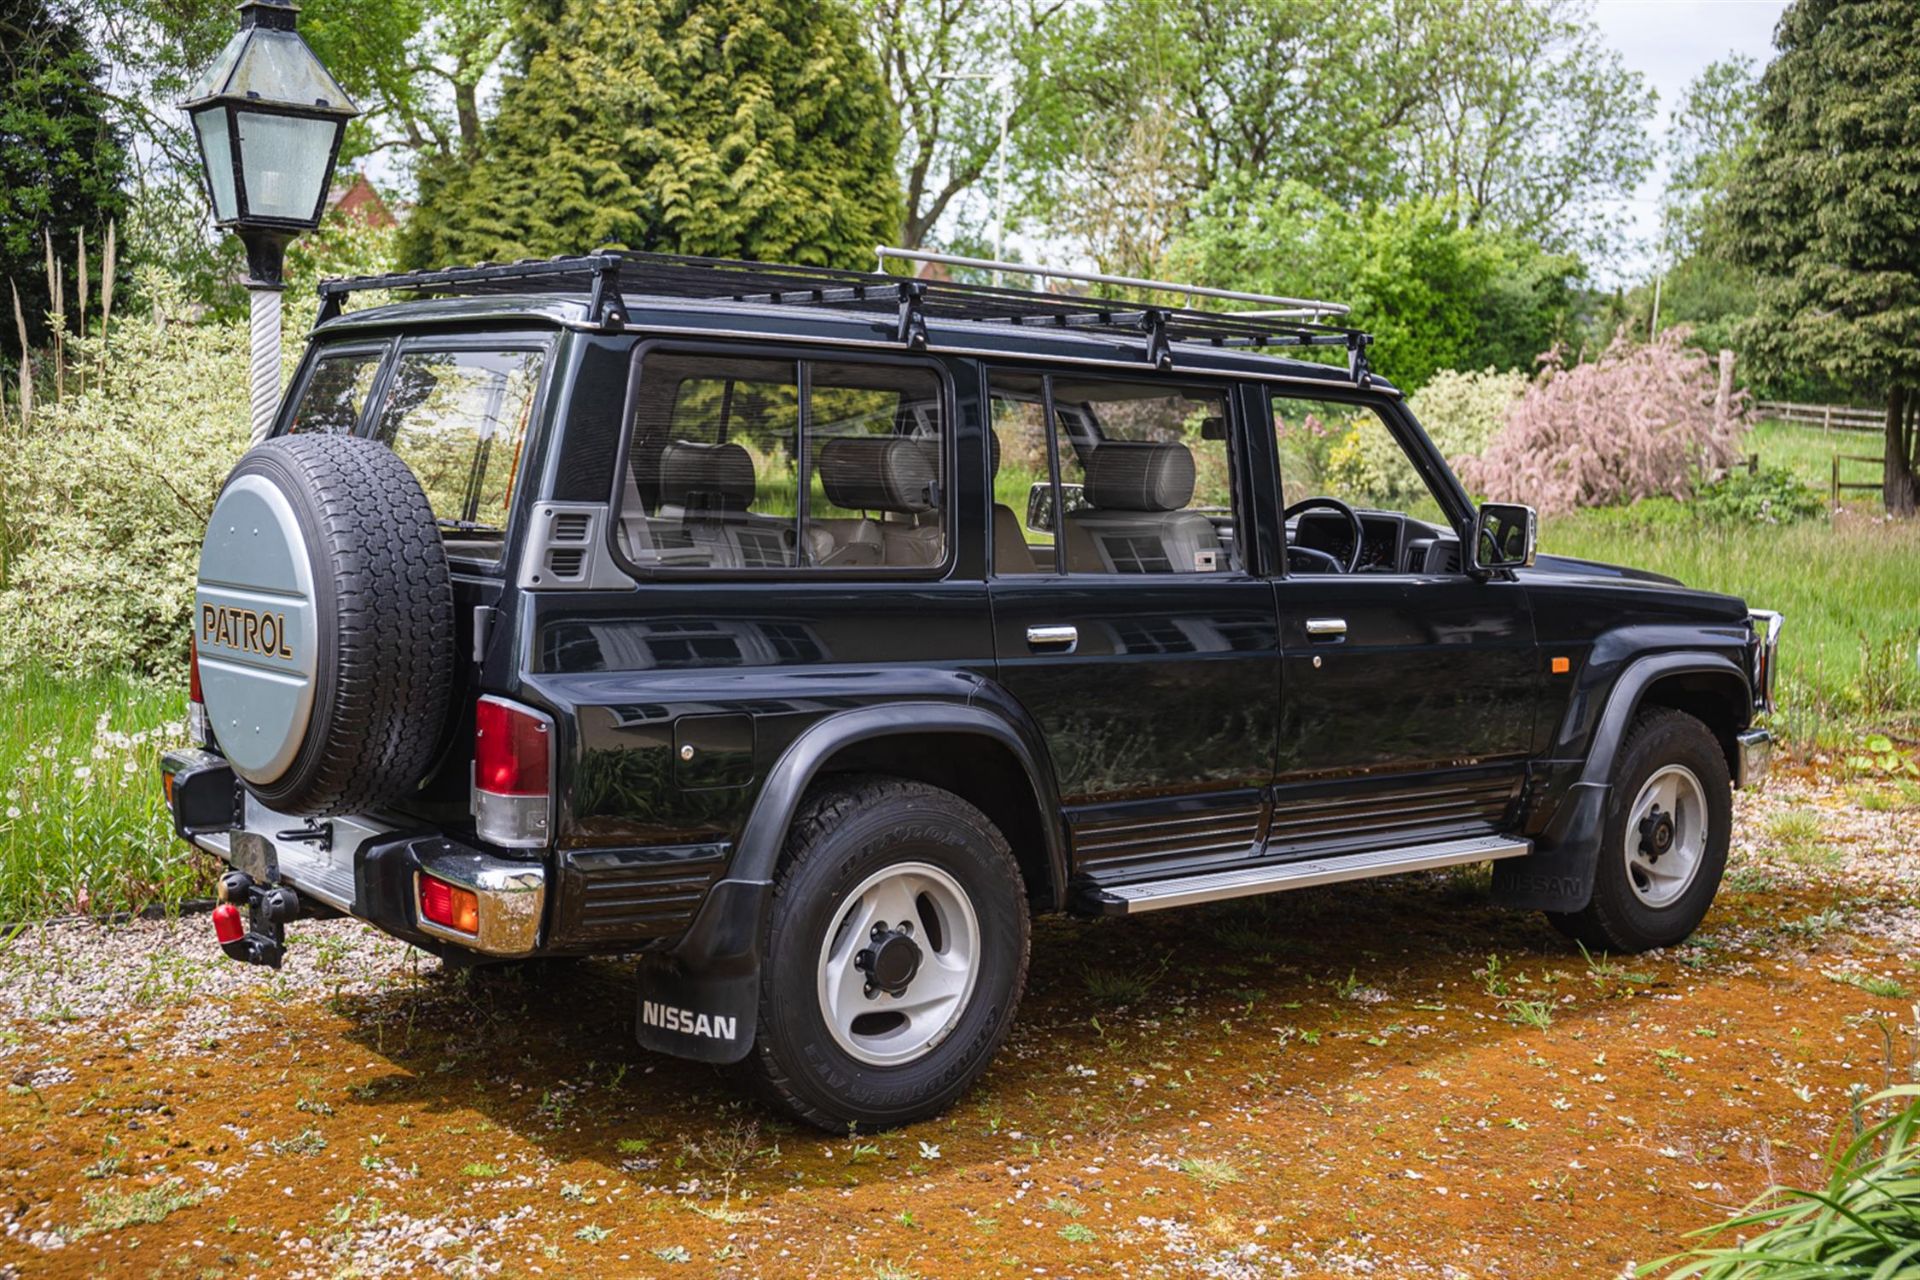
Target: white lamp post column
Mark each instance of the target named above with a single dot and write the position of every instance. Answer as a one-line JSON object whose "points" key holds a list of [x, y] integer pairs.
{"points": [[269, 119]]}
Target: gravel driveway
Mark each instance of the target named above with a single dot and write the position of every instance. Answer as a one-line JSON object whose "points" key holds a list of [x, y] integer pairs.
{"points": [[1387, 1079]]}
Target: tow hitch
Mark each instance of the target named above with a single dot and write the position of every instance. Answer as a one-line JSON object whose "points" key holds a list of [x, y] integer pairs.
{"points": [[263, 938]]}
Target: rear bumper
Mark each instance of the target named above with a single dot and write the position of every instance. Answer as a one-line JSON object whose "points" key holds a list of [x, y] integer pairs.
{"points": [[359, 865], [1753, 757]]}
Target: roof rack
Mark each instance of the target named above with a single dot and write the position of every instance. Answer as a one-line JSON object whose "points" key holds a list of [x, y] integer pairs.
{"points": [[610, 276]]}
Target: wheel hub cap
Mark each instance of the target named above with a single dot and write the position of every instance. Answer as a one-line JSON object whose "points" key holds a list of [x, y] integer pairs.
{"points": [[1656, 833], [898, 964], [891, 961], [1666, 836]]}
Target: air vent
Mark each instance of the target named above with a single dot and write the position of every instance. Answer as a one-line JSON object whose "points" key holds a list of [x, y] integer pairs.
{"points": [[567, 550]]}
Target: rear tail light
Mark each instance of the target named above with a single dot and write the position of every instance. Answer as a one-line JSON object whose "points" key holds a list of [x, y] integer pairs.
{"points": [[512, 773], [448, 905], [197, 730]]}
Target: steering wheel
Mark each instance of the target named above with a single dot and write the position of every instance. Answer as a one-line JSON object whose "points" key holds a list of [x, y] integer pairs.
{"points": [[1353, 522]]}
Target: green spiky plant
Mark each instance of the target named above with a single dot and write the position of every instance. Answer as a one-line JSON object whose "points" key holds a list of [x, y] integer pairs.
{"points": [[1863, 1225]]}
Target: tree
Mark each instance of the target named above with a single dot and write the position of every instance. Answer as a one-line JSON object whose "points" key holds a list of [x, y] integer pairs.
{"points": [[62, 161], [1435, 294], [1213, 91], [952, 69], [1511, 114], [726, 128], [1524, 119], [1826, 209], [1707, 136]]}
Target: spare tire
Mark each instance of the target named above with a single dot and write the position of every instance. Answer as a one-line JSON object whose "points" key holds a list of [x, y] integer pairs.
{"points": [[324, 622]]}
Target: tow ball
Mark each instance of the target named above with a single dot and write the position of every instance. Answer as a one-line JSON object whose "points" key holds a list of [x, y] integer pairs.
{"points": [[262, 939]]}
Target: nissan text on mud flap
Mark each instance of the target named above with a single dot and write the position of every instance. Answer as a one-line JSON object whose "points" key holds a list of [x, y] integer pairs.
{"points": [[802, 633]]}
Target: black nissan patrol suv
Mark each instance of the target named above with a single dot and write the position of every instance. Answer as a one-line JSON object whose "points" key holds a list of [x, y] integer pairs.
{"points": [[803, 632]]}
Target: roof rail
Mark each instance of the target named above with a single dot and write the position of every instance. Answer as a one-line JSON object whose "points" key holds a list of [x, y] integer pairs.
{"points": [[1289, 308], [904, 305]]}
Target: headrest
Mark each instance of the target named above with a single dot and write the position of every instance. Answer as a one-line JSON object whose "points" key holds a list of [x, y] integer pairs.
{"points": [[880, 473], [706, 476], [993, 453], [1139, 475]]}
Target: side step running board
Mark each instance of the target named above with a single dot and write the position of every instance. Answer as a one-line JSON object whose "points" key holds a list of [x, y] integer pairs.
{"points": [[1152, 895]]}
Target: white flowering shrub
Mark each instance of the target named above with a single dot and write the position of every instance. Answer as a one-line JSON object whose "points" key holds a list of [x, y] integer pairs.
{"points": [[110, 492], [1462, 412]]}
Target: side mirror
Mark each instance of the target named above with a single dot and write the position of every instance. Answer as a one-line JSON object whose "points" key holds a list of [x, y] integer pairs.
{"points": [[1504, 537], [1040, 504]]}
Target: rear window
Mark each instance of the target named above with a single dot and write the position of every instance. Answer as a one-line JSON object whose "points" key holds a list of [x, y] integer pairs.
{"points": [[457, 418]]}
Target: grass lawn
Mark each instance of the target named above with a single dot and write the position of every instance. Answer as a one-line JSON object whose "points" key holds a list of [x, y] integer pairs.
{"points": [[82, 824], [1850, 590], [1808, 453], [1850, 586]]}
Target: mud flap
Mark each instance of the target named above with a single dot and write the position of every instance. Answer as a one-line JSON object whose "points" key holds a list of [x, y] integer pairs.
{"points": [[702, 999], [1558, 874]]}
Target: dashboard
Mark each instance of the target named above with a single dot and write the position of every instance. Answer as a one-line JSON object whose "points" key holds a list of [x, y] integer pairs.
{"points": [[1389, 543]]}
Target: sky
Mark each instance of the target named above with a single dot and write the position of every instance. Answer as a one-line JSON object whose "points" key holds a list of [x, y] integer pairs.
{"points": [[1670, 42]]}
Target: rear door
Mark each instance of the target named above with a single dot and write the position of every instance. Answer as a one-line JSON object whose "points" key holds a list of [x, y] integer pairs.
{"points": [[1129, 627], [1408, 687]]}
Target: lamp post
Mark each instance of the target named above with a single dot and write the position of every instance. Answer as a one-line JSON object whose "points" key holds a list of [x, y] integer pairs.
{"points": [[1003, 84], [269, 119]]}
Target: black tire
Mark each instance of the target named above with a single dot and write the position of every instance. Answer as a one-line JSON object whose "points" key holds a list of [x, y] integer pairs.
{"points": [[1616, 918], [844, 833], [384, 606]]}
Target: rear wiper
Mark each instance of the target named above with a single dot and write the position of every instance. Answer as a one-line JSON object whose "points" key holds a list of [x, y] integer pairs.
{"points": [[469, 526]]}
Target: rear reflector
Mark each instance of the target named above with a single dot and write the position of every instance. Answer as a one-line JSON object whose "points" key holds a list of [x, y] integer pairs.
{"points": [[449, 906], [227, 926], [512, 773]]}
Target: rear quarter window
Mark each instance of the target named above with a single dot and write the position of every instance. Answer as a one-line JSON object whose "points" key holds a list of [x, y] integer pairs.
{"points": [[457, 417]]}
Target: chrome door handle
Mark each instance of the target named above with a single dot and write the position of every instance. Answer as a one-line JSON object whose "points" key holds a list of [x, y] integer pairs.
{"points": [[1059, 639], [1326, 626]]}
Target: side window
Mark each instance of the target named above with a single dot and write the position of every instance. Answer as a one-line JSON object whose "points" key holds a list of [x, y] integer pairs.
{"points": [[336, 392], [1346, 451], [1146, 484], [458, 419], [715, 466]]}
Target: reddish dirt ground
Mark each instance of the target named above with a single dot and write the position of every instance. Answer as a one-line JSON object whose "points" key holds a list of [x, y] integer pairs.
{"points": [[1388, 1079]]}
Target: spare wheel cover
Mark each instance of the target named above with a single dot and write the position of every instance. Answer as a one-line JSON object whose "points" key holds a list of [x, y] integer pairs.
{"points": [[324, 618], [255, 623]]}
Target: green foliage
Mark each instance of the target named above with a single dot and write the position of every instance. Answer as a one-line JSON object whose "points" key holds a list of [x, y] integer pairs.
{"points": [[82, 824], [62, 161], [1710, 133], [1862, 1224], [1511, 114], [1771, 495], [1462, 412], [1881, 756], [1436, 294], [110, 492], [1823, 208], [730, 129]]}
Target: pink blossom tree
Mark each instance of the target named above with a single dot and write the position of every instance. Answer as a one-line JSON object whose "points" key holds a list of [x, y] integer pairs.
{"points": [[1637, 422]]}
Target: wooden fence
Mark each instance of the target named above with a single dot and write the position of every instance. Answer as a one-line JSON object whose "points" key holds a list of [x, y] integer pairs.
{"points": [[1828, 417], [1838, 485]]}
